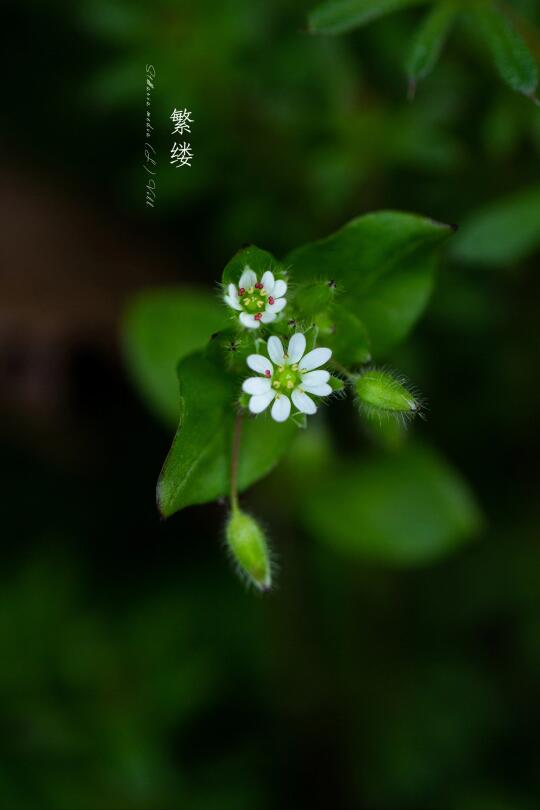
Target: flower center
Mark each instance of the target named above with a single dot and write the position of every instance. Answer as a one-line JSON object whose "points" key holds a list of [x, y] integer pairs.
{"points": [[254, 299], [286, 378]]}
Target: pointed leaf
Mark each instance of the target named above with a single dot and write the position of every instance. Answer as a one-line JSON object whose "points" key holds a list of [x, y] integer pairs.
{"points": [[429, 42], [385, 263], [197, 468], [513, 59]]}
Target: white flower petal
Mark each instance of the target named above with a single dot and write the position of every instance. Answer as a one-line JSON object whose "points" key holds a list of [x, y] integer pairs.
{"points": [[259, 363], [280, 288], [275, 350], [267, 281], [233, 292], [248, 278], [315, 358], [248, 321], [281, 408], [318, 390], [232, 302], [297, 347], [256, 385], [268, 317], [277, 306], [315, 378], [259, 403], [304, 403]]}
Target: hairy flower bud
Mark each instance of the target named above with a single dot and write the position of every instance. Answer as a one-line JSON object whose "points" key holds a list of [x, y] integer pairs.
{"points": [[380, 393], [249, 549]]}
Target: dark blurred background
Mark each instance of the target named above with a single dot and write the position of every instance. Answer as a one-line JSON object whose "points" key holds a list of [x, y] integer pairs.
{"points": [[136, 671]]}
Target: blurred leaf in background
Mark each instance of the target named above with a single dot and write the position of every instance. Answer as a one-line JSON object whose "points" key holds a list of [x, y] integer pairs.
{"points": [[504, 232], [402, 509], [161, 328]]}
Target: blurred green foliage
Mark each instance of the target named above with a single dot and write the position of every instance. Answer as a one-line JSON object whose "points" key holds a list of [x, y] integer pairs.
{"points": [[400, 509], [513, 59], [135, 672], [160, 329]]}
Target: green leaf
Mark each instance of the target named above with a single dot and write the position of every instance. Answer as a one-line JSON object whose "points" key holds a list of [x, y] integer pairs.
{"points": [[503, 232], [404, 509], [512, 57], [160, 328], [339, 16], [429, 42], [255, 258], [345, 334], [198, 465], [385, 263]]}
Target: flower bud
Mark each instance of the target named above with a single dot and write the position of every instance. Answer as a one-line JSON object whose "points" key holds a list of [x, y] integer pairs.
{"points": [[380, 393], [249, 549]]}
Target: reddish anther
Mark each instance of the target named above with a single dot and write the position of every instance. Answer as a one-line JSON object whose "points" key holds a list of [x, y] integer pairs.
{"points": [[258, 316], [267, 373], [271, 300], [258, 286]]}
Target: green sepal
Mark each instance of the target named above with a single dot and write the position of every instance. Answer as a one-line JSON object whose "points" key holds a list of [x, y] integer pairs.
{"points": [[300, 420], [336, 384], [258, 260]]}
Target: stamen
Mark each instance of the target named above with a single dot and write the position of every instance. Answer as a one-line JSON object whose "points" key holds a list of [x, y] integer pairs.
{"points": [[246, 301], [242, 290], [251, 290], [267, 373], [290, 383], [258, 316], [295, 367], [271, 299], [277, 384], [258, 286], [260, 303]]}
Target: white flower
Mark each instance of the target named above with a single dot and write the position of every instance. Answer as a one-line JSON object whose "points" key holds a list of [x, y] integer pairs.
{"points": [[257, 301], [293, 375]]}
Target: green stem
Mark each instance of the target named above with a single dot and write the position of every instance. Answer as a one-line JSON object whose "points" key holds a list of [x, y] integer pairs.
{"points": [[235, 454]]}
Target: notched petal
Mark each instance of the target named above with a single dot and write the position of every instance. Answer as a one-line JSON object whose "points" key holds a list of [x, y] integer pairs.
{"points": [[281, 408]]}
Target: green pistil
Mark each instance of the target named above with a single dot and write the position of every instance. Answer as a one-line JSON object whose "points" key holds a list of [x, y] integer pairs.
{"points": [[254, 300], [286, 378]]}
